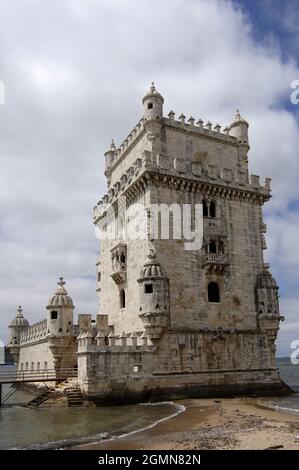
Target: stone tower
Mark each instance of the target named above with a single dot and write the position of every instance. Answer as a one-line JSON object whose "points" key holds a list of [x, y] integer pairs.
{"points": [[210, 312], [16, 327], [61, 340]]}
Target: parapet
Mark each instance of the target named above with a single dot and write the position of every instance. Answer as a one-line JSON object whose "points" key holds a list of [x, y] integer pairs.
{"points": [[127, 143], [127, 342], [34, 333], [200, 128], [168, 168]]}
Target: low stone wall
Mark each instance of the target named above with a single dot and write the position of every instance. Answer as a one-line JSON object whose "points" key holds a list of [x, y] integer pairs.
{"points": [[178, 386], [186, 364]]}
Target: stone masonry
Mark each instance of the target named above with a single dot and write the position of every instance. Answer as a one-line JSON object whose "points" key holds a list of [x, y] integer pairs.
{"points": [[174, 322], [182, 322]]}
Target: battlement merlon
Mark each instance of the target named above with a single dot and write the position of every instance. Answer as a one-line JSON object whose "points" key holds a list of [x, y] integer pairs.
{"points": [[157, 132]]}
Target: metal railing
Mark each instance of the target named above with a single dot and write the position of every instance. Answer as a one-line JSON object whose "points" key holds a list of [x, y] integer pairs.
{"points": [[41, 375]]}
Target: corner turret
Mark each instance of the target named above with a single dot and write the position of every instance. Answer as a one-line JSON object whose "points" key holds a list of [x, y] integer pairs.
{"points": [[153, 104], [154, 297], [239, 130], [60, 312], [17, 326], [109, 159]]}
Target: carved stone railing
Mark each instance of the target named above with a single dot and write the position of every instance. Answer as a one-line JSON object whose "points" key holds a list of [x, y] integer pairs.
{"points": [[35, 332], [119, 263], [215, 259]]}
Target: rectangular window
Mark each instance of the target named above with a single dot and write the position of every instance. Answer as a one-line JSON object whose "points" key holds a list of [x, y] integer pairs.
{"points": [[148, 288], [54, 315]]}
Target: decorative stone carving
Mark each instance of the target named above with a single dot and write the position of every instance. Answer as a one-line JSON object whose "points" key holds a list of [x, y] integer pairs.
{"points": [[163, 161], [180, 165]]}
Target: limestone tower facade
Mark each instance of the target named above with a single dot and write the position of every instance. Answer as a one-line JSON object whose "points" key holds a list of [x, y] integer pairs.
{"points": [[205, 319]]}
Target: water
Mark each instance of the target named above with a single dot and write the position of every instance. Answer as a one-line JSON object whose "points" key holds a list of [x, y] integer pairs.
{"points": [[289, 373], [58, 427]]}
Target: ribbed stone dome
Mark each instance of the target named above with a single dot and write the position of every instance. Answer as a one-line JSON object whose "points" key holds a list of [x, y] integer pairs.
{"points": [[153, 93], [152, 268], [61, 297], [239, 118], [19, 319], [266, 281]]}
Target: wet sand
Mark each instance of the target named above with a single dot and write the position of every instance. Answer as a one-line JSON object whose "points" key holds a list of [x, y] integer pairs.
{"points": [[214, 424]]}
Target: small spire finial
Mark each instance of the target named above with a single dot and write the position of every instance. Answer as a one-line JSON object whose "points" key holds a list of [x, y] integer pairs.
{"points": [[61, 282], [153, 87], [112, 146], [152, 254], [20, 310], [238, 115]]}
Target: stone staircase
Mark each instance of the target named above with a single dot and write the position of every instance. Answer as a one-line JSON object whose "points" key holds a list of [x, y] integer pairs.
{"points": [[74, 396], [46, 395]]}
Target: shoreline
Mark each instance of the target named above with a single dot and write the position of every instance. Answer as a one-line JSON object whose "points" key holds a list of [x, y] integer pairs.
{"points": [[229, 423]]}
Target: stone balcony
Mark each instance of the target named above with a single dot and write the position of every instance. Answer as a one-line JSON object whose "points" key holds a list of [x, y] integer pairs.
{"points": [[119, 263], [215, 261]]}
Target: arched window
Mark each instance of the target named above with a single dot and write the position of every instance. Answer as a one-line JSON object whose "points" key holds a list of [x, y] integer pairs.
{"points": [[213, 292], [212, 247], [122, 258], [122, 298], [205, 209], [213, 209]]}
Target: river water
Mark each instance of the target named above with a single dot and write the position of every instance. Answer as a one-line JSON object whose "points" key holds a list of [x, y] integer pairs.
{"points": [[57, 427]]}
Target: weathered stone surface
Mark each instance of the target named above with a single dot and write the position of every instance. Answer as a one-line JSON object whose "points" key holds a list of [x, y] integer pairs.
{"points": [[196, 322]]}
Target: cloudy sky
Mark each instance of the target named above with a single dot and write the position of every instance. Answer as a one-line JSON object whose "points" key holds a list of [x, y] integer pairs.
{"points": [[75, 72]]}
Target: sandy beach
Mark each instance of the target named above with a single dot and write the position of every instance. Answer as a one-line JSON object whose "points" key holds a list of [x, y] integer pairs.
{"points": [[224, 424]]}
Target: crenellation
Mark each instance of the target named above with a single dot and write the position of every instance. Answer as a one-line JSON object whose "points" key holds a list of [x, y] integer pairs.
{"points": [[199, 128], [238, 179], [128, 142]]}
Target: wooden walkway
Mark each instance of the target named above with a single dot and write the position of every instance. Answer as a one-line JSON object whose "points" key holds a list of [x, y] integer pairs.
{"points": [[30, 376]]}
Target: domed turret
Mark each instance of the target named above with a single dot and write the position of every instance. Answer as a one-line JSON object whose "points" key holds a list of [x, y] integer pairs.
{"points": [[152, 269], [153, 104], [154, 297], [109, 159], [239, 129], [60, 311], [16, 326], [267, 293], [61, 297], [19, 319], [266, 281]]}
